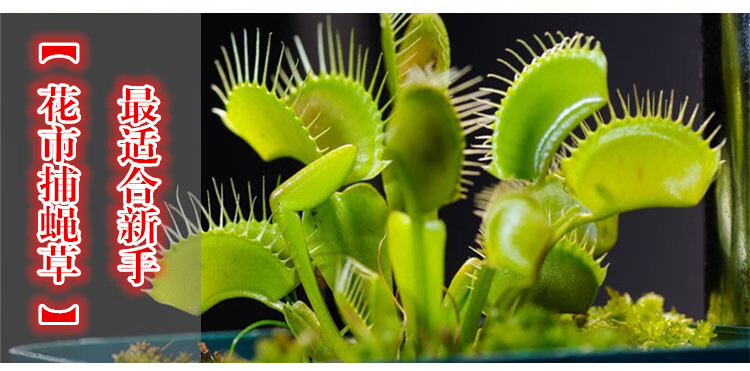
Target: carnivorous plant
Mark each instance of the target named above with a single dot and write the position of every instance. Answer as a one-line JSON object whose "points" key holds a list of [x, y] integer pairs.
{"points": [[546, 226]]}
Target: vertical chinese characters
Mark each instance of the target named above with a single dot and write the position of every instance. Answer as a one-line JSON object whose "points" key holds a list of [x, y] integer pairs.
{"points": [[58, 185], [138, 220]]}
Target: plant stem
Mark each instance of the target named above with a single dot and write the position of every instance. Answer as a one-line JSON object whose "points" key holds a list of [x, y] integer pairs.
{"points": [[291, 229], [416, 310], [253, 326], [477, 300]]}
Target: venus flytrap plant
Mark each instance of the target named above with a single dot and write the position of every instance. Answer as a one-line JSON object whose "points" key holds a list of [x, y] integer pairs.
{"points": [[365, 303], [255, 108], [425, 144], [303, 114], [324, 104], [551, 193], [568, 77], [337, 104], [315, 183], [515, 235], [457, 295], [303, 322], [235, 241], [649, 132], [417, 250], [303, 191], [520, 250], [337, 230], [569, 278], [690, 164], [546, 227]]}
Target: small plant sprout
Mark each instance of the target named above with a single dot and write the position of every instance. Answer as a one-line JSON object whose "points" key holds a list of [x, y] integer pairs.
{"points": [[545, 227]]}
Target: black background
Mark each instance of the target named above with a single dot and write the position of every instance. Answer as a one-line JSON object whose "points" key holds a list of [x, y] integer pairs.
{"points": [[658, 250]]}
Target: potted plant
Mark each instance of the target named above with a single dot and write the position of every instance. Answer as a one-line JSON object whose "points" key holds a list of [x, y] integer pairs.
{"points": [[565, 171], [546, 225]]}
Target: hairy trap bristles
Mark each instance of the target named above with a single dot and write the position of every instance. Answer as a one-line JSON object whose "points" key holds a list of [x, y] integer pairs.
{"points": [[652, 106], [404, 53], [480, 251], [583, 247], [484, 198], [564, 43], [260, 230], [236, 222], [554, 46], [469, 110], [585, 242], [352, 66], [354, 284], [237, 74], [192, 226], [475, 264]]}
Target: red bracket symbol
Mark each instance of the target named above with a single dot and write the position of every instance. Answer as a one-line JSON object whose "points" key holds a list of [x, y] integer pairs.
{"points": [[63, 317], [59, 50]]}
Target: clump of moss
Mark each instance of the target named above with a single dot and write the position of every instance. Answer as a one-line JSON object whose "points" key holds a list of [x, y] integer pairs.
{"points": [[281, 346], [645, 323], [623, 322], [143, 352], [532, 327]]}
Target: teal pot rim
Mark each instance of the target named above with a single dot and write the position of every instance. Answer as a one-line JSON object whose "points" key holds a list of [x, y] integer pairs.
{"points": [[732, 344]]}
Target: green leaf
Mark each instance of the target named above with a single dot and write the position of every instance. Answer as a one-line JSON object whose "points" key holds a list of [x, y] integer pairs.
{"points": [[233, 265], [517, 233], [425, 44], [254, 111], [336, 104], [367, 306], [425, 143], [389, 24], [350, 224], [659, 162], [302, 322], [505, 290], [340, 111], [317, 181], [558, 88], [417, 250], [413, 40], [569, 279], [553, 197], [456, 299], [294, 235], [241, 257], [178, 283]]}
